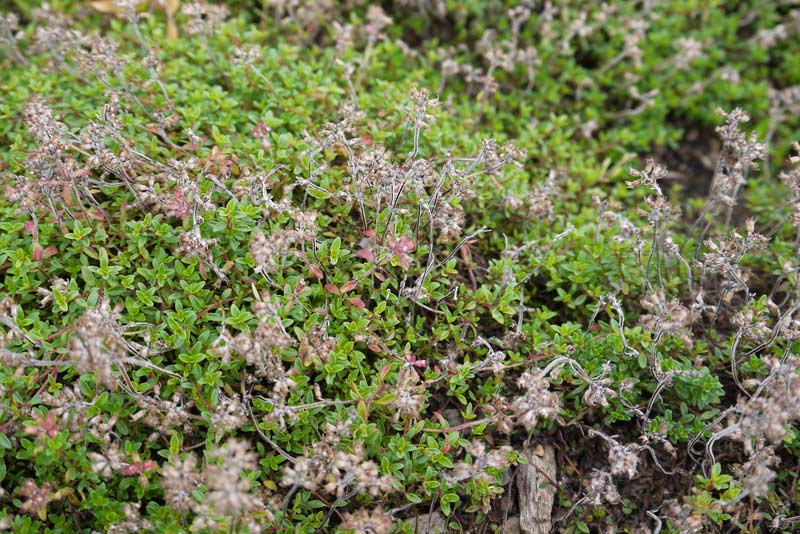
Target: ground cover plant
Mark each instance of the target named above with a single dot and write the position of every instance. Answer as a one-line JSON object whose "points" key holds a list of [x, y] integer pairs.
{"points": [[333, 266]]}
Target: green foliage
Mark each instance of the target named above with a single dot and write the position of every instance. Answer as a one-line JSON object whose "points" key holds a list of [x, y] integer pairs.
{"points": [[265, 251]]}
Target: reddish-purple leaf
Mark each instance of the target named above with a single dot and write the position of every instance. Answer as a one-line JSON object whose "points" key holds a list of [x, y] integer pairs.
{"points": [[357, 302], [348, 286], [330, 288], [365, 254]]}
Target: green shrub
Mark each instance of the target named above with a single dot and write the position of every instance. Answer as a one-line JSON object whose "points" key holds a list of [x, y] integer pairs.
{"points": [[315, 267]]}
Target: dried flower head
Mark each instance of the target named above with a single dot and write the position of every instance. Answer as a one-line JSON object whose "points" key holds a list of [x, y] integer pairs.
{"points": [[689, 50], [180, 479], [408, 394], [97, 344], [601, 489], [367, 522], [36, 498], [229, 489], [204, 18], [268, 252], [482, 461], [769, 413], [624, 459], [537, 401], [649, 176], [668, 317]]}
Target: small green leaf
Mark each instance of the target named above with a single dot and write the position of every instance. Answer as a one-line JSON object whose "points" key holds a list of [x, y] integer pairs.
{"points": [[444, 461], [144, 297], [451, 498], [363, 411], [319, 194], [336, 248], [498, 316], [445, 506], [430, 485]]}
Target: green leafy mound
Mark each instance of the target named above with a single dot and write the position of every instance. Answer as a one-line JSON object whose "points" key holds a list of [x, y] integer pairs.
{"points": [[321, 266]]}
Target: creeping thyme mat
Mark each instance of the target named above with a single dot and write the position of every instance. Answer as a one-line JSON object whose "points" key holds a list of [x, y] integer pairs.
{"points": [[416, 266]]}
